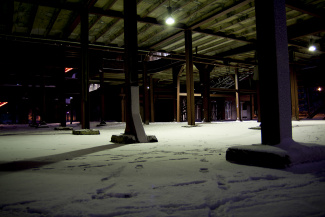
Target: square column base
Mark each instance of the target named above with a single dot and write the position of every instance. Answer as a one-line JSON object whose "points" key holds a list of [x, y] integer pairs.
{"points": [[129, 139], [259, 155], [86, 132]]}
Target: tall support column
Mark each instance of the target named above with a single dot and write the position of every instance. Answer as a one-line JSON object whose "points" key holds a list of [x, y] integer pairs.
{"points": [[274, 74], [123, 105], [205, 71], [238, 107], [146, 106], [152, 100], [85, 116], [294, 89], [102, 100], [178, 99], [62, 103], [133, 120], [189, 78], [176, 73]]}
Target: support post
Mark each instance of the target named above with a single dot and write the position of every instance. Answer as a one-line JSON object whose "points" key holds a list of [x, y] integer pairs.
{"points": [[274, 74], [189, 78], [205, 71], [238, 107], [85, 119], [133, 128], [146, 106], [178, 99], [62, 103], [152, 100], [176, 84], [102, 100], [294, 89]]}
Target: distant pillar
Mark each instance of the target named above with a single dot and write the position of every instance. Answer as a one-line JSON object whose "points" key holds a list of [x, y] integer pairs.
{"points": [[176, 84], [102, 100], [85, 119], [62, 103], [294, 89], [252, 103], [189, 78], [133, 120], [238, 106], [205, 71], [152, 101], [123, 105], [274, 74], [146, 105]]}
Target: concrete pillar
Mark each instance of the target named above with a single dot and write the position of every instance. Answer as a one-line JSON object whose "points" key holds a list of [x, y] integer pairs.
{"points": [[274, 74], [133, 120], [189, 78], [85, 116]]}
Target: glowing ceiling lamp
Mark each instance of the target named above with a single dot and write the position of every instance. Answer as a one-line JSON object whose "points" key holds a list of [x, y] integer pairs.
{"points": [[312, 48], [170, 20]]}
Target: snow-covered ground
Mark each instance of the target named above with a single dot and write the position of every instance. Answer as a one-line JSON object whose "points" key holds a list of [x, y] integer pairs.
{"points": [[44, 172]]}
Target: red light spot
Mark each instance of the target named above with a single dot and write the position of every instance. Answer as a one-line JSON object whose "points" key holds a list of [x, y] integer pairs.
{"points": [[67, 70]]}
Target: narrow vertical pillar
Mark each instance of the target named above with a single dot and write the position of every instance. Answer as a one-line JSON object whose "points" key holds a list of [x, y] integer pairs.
{"points": [[85, 119], [189, 78], [102, 100], [238, 106], [152, 100], [43, 107], [274, 74], [178, 99], [205, 71], [62, 103], [176, 73], [146, 106], [133, 120], [123, 105], [252, 99], [294, 89]]}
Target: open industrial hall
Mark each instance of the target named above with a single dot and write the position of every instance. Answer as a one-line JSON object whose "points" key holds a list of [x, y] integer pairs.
{"points": [[162, 108]]}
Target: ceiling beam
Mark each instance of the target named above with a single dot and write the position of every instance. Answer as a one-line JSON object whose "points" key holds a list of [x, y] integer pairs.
{"points": [[221, 13], [306, 9]]}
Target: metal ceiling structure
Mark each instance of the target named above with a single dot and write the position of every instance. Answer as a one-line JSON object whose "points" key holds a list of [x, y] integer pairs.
{"points": [[224, 35]]}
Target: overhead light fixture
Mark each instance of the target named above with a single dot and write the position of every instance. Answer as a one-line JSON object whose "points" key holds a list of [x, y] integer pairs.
{"points": [[312, 48], [170, 20]]}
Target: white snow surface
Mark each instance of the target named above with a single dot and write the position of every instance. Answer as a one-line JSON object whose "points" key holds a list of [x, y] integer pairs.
{"points": [[184, 174]]}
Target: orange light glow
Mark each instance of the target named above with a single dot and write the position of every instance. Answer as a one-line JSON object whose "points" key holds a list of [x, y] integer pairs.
{"points": [[319, 89], [67, 70], [3, 103]]}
